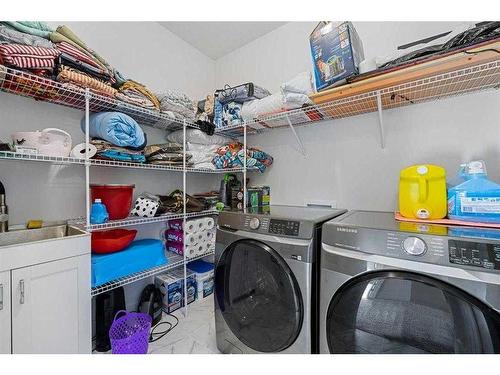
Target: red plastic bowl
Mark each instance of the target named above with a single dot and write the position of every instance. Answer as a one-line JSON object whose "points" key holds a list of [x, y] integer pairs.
{"points": [[116, 198], [111, 241]]}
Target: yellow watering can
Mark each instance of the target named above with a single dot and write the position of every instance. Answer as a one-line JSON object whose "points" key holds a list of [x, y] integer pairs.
{"points": [[422, 192]]}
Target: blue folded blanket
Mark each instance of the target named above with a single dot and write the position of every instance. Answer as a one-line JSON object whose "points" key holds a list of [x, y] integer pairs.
{"points": [[116, 128]]}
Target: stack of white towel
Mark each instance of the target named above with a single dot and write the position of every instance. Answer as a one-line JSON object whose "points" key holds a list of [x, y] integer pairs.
{"points": [[199, 239]]}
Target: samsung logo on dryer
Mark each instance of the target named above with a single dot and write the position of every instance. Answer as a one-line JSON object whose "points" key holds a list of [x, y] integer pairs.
{"points": [[347, 230]]}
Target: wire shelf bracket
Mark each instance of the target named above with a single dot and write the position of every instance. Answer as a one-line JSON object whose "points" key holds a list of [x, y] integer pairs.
{"points": [[297, 138], [380, 120]]}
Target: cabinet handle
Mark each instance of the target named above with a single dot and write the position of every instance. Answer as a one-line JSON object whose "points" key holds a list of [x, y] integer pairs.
{"points": [[1, 296], [21, 287]]}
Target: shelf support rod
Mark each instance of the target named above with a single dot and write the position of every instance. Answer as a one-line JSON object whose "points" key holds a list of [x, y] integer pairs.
{"points": [[184, 210], [380, 120], [245, 166], [87, 161], [297, 138]]}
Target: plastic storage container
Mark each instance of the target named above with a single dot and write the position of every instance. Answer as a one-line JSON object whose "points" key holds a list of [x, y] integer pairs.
{"points": [[204, 272], [422, 192], [477, 198], [116, 198]]}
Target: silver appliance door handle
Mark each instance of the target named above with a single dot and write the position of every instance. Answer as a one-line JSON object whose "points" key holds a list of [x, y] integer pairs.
{"points": [[1, 296], [21, 288]]}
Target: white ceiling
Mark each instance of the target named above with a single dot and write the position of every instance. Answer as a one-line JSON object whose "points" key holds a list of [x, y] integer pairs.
{"points": [[216, 39]]}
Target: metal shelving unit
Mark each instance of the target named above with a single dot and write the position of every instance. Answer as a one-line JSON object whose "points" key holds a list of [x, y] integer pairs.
{"points": [[6, 155], [475, 78], [136, 220], [43, 89], [174, 261]]}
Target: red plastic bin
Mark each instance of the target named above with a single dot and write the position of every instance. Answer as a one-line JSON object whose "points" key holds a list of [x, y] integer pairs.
{"points": [[116, 198]]}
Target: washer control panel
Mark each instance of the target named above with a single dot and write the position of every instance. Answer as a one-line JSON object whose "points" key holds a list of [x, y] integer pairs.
{"points": [[476, 254], [284, 227]]}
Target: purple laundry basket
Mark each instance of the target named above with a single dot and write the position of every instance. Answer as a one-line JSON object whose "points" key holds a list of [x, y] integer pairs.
{"points": [[129, 334]]}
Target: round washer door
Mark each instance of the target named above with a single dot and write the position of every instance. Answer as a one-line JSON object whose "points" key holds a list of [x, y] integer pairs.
{"points": [[258, 296], [406, 312]]}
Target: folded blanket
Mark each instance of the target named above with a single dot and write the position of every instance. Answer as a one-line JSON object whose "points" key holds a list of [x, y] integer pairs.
{"points": [[121, 156], [138, 94], [233, 155], [40, 29], [198, 137], [102, 146], [231, 114], [68, 48], [116, 128], [91, 70], [9, 35], [28, 57], [178, 103], [64, 34], [69, 75]]}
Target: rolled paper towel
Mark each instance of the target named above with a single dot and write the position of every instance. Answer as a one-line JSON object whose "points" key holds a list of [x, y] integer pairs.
{"points": [[200, 237], [199, 225], [79, 151], [200, 249], [208, 246], [191, 251], [209, 223], [175, 247], [178, 224], [209, 235]]}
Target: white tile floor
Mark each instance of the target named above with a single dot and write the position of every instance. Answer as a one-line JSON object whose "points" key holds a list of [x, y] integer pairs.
{"points": [[195, 334]]}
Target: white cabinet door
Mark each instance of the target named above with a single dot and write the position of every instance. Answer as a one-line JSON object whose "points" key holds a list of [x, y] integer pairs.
{"points": [[51, 307], [5, 317]]}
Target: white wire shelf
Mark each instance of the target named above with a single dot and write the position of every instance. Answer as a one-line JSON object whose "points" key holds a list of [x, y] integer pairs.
{"points": [[6, 155], [174, 261], [135, 220], [47, 90], [458, 82]]}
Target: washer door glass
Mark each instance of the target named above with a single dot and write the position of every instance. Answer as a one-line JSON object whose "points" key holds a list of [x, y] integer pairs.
{"points": [[258, 296], [406, 312]]}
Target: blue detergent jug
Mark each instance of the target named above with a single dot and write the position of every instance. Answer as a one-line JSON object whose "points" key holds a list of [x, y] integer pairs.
{"points": [[98, 213], [475, 199]]}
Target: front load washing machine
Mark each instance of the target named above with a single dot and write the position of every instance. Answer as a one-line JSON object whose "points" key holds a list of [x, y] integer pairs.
{"points": [[265, 279], [400, 287]]}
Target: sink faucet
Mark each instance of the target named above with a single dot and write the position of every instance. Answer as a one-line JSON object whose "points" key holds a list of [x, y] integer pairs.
{"points": [[4, 211]]}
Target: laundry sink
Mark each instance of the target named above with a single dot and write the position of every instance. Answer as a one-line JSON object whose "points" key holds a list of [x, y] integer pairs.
{"points": [[25, 247], [41, 234]]}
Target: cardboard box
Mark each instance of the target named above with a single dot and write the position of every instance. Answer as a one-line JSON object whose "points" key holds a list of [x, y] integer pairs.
{"points": [[336, 52], [171, 285], [258, 196]]}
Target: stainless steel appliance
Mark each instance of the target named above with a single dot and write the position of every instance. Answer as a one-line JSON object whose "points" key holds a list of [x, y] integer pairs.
{"points": [[399, 287], [265, 279]]}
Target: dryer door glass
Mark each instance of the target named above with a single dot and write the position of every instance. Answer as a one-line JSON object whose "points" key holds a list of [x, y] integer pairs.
{"points": [[258, 296], [406, 312]]}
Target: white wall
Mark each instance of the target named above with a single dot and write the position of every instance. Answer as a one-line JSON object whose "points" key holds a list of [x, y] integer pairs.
{"points": [[143, 51], [344, 162]]}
